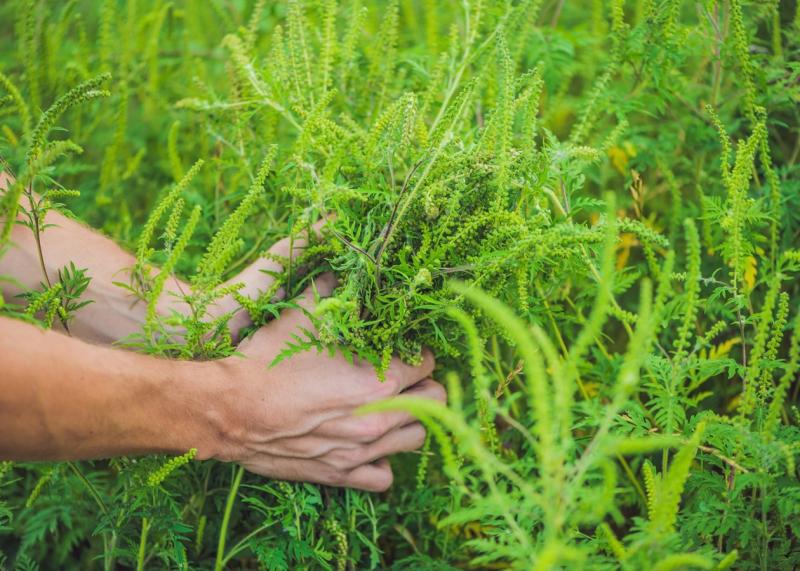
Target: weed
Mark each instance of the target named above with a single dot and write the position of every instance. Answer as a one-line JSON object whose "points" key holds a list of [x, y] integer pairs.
{"points": [[587, 212]]}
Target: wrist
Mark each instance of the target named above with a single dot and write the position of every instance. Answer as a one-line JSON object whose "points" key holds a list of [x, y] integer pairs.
{"points": [[207, 420]]}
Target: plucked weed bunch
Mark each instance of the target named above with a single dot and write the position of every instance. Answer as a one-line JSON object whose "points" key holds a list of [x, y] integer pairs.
{"points": [[588, 211]]}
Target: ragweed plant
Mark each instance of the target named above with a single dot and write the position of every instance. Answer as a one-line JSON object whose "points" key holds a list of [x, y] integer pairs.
{"points": [[588, 212]]}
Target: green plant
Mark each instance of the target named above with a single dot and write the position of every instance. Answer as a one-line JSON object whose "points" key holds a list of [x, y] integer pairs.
{"points": [[588, 212]]}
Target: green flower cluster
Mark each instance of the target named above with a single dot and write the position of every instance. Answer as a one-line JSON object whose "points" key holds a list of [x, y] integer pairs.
{"points": [[157, 477]]}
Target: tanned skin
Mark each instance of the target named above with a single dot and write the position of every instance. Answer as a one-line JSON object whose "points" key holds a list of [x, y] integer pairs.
{"points": [[71, 397]]}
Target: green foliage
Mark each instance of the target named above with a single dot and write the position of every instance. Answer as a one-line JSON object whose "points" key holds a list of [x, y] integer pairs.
{"points": [[586, 211]]}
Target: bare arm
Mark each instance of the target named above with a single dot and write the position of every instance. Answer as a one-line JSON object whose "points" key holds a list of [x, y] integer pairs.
{"points": [[62, 398], [113, 313]]}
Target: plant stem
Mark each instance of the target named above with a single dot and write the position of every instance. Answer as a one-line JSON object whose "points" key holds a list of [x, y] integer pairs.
{"points": [[237, 480], [108, 555], [142, 545], [243, 543], [37, 224], [89, 486]]}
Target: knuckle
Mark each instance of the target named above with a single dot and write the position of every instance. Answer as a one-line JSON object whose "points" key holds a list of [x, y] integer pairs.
{"points": [[372, 427], [398, 369], [327, 280], [355, 457], [281, 247], [388, 387], [337, 478]]}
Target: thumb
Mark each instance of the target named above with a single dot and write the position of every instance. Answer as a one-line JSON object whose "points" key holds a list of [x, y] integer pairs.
{"points": [[273, 336], [259, 276], [322, 286], [289, 247]]}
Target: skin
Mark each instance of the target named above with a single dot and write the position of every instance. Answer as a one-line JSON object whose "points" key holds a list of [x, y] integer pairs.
{"points": [[69, 397]]}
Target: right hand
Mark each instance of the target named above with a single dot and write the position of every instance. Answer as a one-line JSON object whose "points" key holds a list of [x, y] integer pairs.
{"points": [[295, 421]]}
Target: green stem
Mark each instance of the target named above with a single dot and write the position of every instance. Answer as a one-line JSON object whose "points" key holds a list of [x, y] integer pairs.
{"points": [[632, 477], [223, 532], [38, 219], [89, 486], [108, 556], [243, 543], [108, 550], [142, 545]]}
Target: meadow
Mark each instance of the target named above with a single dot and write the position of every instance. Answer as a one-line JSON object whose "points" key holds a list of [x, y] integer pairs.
{"points": [[589, 212]]}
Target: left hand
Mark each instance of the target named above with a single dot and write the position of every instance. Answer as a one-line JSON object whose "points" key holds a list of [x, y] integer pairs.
{"points": [[257, 278]]}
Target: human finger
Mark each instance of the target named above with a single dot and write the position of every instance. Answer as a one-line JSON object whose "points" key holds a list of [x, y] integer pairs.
{"points": [[322, 286], [403, 439], [375, 477], [292, 246], [405, 375], [370, 427]]}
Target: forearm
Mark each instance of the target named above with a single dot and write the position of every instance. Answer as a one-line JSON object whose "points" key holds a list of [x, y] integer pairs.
{"points": [[64, 399], [114, 313]]}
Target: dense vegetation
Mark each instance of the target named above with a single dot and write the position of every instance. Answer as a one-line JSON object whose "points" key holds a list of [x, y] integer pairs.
{"points": [[587, 210]]}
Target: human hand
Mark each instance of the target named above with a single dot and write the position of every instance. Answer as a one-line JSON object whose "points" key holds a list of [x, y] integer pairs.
{"points": [[296, 421], [258, 277]]}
